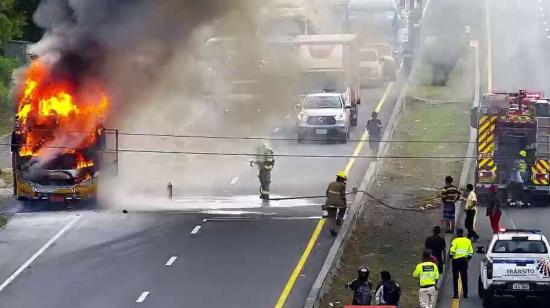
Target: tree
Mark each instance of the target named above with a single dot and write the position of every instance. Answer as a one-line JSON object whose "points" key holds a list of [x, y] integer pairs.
{"points": [[12, 21], [31, 32]]}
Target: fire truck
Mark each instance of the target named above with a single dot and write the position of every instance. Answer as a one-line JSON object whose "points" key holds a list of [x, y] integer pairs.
{"points": [[512, 127], [69, 175]]}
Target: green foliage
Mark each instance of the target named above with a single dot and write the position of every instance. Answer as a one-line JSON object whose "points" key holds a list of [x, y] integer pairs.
{"points": [[12, 21]]}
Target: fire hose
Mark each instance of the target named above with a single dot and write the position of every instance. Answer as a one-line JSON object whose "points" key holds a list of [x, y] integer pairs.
{"points": [[355, 191]]}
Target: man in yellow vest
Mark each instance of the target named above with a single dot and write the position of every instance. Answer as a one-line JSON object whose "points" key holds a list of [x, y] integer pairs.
{"points": [[461, 252], [427, 274]]}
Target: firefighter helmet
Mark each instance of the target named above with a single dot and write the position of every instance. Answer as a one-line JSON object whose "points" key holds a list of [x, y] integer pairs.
{"points": [[523, 153], [342, 175]]}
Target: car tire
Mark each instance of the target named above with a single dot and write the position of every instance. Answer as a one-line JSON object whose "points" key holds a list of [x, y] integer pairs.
{"points": [[488, 298], [480, 289]]}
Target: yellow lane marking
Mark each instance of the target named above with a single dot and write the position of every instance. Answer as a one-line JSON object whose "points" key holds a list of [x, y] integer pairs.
{"points": [[489, 49], [300, 265], [303, 259], [456, 301], [365, 135]]}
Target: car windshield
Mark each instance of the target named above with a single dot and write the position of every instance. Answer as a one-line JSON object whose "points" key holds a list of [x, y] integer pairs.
{"points": [[520, 246], [319, 102], [383, 50], [369, 55], [320, 81]]}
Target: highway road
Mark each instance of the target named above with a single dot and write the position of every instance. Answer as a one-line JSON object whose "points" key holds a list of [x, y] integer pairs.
{"points": [[217, 245], [517, 57]]}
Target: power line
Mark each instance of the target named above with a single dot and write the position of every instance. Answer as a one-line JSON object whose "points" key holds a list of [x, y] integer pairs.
{"points": [[215, 153], [229, 137]]}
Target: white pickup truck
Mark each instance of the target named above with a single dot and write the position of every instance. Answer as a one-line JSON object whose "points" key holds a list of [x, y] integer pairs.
{"points": [[517, 263]]}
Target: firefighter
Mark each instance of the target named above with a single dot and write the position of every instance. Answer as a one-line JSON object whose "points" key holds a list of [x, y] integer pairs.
{"points": [[517, 179], [336, 203], [265, 162]]}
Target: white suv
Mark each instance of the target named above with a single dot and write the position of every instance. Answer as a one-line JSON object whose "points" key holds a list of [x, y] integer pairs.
{"points": [[324, 116], [517, 263]]}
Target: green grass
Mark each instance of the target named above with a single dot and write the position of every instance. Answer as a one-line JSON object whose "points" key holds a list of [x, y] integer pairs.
{"points": [[458, 88], [3, 220], [6, 121], [433, 122]]}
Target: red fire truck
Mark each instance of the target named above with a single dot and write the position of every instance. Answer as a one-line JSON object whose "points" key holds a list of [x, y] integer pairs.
{"points": [[513, 129]]}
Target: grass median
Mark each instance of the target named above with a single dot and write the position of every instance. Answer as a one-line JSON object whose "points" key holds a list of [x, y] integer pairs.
{"points": [[393, 240]]}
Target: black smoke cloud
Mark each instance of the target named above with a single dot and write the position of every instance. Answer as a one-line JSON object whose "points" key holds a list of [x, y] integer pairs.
{"points": [[126, 43]]}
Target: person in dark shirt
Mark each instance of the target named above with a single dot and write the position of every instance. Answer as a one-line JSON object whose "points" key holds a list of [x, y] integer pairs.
{"points": [[449, 195], [436, 244], [374, 127]]}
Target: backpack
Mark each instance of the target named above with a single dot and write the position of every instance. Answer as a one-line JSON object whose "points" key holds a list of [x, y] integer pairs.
{"points": [[362, 294], [392, 293]]}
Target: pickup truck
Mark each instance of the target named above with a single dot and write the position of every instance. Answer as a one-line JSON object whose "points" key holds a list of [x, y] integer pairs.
{"points": [[516, 263]]}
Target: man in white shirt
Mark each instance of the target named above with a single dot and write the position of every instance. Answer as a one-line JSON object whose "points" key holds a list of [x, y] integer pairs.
{"points": [[470, 208]]}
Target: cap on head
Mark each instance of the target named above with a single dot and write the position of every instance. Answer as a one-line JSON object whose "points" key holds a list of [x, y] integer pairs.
{"points": [[342, 175], [523, 153]]}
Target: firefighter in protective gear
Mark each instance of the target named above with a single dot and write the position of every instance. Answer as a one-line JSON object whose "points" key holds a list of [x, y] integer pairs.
{"points": [[265, 162], [336, 203], [517, 179]]}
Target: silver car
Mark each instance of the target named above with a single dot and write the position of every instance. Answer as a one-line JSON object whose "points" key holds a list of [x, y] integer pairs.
{"points": [[324, 116]]}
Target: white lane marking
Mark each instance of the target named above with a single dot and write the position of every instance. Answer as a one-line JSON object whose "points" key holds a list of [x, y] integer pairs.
{"points": [[142, 297], [196, 230], [234, 180], [171, 260], [276, 129], [38, 253]]}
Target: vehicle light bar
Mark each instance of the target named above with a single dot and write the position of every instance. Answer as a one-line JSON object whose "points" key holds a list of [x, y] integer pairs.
{"points": [[533, 231]]}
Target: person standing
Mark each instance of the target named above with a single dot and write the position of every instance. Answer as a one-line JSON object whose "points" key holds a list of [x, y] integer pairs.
{"points": [[493, 209], [436, 244], [336, 202], [361, 287], [427, 274], [388, 291], [449, 195], [265, 162], [374, 127], [461, 252], [471, 205]]}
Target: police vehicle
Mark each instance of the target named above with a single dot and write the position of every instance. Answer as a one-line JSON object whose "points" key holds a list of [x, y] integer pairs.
{"points": [[517, 263]]}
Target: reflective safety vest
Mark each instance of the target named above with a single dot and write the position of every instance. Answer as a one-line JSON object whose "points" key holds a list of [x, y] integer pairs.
{"points": [[427, 273], [522, 166], [461, 247]]}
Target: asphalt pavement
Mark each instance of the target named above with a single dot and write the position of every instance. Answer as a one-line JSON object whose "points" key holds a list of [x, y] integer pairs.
{"points": [[517, 58], [217, 245]]}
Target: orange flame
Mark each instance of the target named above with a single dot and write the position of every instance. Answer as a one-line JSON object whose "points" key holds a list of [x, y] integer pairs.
{"points": [[51, 108]]}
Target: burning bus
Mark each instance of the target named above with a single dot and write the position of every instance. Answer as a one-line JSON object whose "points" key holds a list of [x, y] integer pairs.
{"points": [[58, 142]]}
